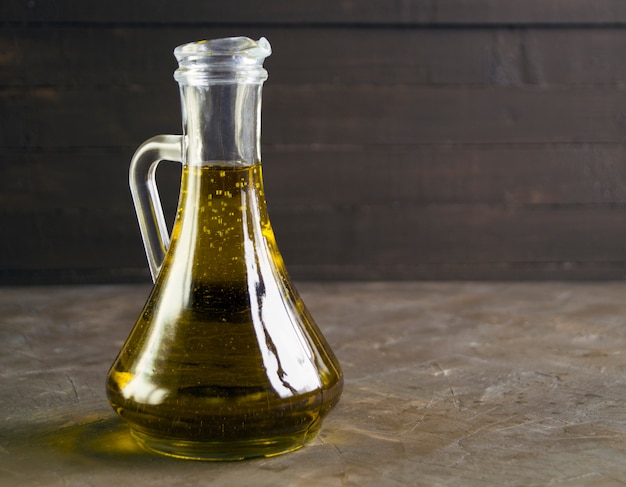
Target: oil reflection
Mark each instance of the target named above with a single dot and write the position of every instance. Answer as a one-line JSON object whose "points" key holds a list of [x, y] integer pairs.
{"points": [[287, 357], [43, 453], [94, 447], [106, 438]]}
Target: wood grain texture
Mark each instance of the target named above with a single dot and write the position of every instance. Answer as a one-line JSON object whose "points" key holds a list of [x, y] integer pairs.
{"points": [[449, 139], [464, 12], [140, 56], [364, 115]]}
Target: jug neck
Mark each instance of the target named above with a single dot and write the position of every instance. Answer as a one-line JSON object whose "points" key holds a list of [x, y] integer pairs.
{"points": [[220, 85], [221, 124]]}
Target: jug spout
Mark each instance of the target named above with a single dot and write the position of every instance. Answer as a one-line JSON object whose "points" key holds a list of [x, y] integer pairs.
{"points": [[222, 60]]}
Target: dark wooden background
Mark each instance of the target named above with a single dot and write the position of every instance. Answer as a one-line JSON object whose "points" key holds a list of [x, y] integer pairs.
{"points": [[417, 139]]}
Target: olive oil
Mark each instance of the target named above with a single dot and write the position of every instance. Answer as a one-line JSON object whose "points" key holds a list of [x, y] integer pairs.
{"points": [[224, 362]]}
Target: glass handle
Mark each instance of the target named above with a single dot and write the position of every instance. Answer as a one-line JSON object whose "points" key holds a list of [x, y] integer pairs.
{"points": [[143, 188]]}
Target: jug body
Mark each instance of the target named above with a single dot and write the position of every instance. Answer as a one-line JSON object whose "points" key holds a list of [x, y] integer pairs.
{"points": [[225, 361]]}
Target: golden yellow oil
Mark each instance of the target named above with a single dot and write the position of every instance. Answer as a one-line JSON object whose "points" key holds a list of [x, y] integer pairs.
{"points": [[224, 362]]}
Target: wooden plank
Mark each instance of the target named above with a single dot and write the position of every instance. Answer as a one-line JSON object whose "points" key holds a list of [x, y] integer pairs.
{"points": [[490, 234], [449, 271], [412, 115], [508, 176], [53, 239], [433, 242], [327, 115], [564, 56], [554, 12], [89, 179], [378, 12], [74, 276], [354, 242], [493, 271], [53, 118], [341, 177], [141, 56]]}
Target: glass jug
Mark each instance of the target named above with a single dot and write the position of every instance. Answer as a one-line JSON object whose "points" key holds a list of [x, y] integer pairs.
{"points": [[224, 362]]}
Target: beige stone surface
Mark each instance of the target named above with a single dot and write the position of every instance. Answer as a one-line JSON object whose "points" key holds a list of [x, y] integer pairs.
{"points": [[446, 384]]}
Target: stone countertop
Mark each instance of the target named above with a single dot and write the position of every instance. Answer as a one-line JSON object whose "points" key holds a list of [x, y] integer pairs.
{"points": [[446, 384]]}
